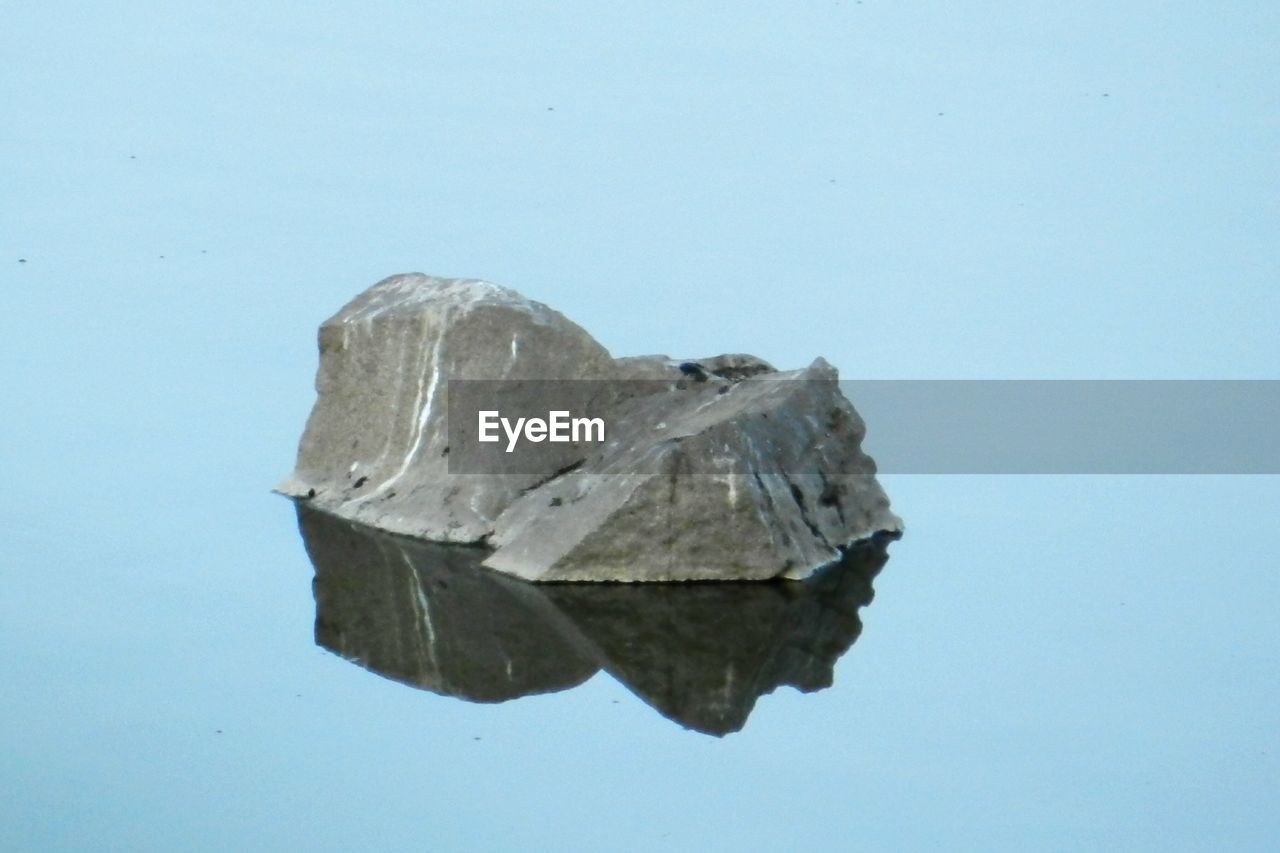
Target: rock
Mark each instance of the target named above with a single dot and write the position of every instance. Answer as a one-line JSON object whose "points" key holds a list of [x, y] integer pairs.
{"points": [[719, 468], [376, 447], [427, 615], [764, 481]]}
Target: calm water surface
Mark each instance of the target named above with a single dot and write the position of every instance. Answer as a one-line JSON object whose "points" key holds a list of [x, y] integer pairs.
{"points": [[1051, 662]]}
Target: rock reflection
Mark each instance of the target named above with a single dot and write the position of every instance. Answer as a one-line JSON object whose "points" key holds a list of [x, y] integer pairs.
{"points": [[701, 654]]}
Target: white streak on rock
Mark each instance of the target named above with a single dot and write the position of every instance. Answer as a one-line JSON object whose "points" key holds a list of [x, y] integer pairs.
{"points": [[419, 430]]}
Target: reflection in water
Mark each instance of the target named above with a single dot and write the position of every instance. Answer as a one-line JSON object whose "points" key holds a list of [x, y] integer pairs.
{"points": [[701, 654]]}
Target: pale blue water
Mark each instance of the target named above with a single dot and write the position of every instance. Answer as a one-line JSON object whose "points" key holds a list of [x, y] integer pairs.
{"points": [[1049, 662]]}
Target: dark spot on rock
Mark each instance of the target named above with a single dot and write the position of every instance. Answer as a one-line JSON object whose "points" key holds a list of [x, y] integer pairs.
{"points": [[797, 495], [736, 368], [692, 368], [358, 483], [311, 493], [724, 389], [830, 495], [556, 502], [445, 452]]}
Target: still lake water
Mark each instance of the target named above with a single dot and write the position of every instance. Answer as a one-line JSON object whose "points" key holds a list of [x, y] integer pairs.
{"points": [[1053, 662], [936, 191]]}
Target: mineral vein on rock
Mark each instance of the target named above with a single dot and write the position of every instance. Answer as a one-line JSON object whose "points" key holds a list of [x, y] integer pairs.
{"points": [[719, 469]]}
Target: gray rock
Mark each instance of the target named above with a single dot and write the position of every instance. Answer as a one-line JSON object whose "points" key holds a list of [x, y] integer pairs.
{"points": [[721, 468], [764, 481], [376, 445]]}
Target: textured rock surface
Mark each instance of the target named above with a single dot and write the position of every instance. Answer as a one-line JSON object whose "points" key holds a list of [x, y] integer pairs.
{"points": [[427, 615], [719, 468], [374, 449], [766, 480]]}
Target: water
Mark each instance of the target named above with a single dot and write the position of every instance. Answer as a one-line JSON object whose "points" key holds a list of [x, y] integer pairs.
{"points": [[1063, 662], [1054, 662]]}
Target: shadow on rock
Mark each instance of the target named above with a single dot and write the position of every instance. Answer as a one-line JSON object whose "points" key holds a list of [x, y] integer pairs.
{"points": [[701, 654]]}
